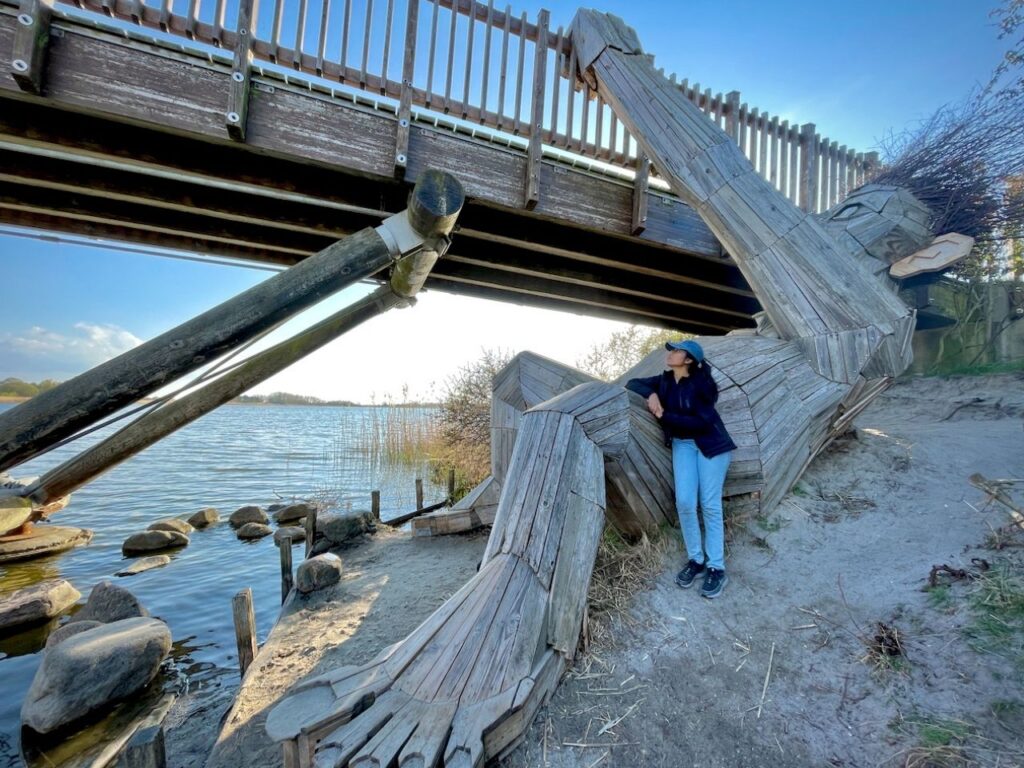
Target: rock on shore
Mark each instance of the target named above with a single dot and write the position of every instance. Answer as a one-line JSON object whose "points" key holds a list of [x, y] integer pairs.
{"points": [[37, 603], [204, 518], [94, 669], [253, 531], [318, 572], [171, 524], [109, 603], [293, 533], [293, 512], [248, 514], [43, 540], [144, 564]]}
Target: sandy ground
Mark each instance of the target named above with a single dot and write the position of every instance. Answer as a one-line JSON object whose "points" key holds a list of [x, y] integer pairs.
{"points": [[773, 673]]}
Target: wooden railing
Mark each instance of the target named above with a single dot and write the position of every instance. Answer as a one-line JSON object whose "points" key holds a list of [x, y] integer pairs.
{"points": [[479, 65]]}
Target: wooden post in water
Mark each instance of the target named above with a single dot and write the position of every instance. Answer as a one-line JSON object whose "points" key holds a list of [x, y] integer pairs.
{"points": [[145, 749], [310, 530], [451, 485], [419, 493], [285, 547], [375, 504], [245, 628]]}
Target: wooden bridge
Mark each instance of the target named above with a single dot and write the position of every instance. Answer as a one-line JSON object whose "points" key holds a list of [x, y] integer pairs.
{"points": [[265, 131]]}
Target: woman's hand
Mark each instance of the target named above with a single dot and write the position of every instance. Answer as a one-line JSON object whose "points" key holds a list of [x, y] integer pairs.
{"points": [[654, 405]]}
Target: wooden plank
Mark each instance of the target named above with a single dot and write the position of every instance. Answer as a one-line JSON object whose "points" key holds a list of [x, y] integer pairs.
{"points": [[245, 628], [241, 72], [533, 155], [31, 41], [639, 217], [401, 155]]}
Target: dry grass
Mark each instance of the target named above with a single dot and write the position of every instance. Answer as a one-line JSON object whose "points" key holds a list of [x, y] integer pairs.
{"points": [[621, 570]]}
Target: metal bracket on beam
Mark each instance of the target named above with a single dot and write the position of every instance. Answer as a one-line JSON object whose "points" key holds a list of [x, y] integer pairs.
{"points": [[31, 39], [241, 72], [535, 149], [639, 219], [405, 96]]}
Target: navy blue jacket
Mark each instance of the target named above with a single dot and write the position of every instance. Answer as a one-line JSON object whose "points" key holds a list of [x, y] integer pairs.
{"points": [[689, 411]]}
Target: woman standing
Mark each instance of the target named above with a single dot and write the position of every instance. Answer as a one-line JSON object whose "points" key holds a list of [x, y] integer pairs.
{"points": [[683, 400]]}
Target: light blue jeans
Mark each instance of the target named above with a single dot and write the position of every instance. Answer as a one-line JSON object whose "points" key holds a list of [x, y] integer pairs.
{"points": [[697, 476]]}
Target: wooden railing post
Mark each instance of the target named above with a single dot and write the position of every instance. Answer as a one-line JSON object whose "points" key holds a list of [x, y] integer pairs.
{"points": [[535, 150], [405, 96], [419, 493], [639, 219], [241, 71], [871, 164], [375, 504], [808, 168], [732, 115], [31, 39]]}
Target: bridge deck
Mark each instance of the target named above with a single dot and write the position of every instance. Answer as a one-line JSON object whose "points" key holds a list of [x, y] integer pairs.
{"points": [[128, 142]]}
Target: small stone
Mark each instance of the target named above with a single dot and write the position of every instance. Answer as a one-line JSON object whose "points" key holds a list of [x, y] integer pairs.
{"points": [[339, 528], [293, 532], [253, 531], [318, 572], [37, 603], [275, 507], [171, 524], [61, 634], [248, 514], [144, 564], [204, 518], [93, 670], [293, 512], [108, 603], [153, 541]]}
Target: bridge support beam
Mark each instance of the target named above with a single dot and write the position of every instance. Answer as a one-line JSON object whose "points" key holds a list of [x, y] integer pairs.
{"points": [[44, 420], [31, 39]]}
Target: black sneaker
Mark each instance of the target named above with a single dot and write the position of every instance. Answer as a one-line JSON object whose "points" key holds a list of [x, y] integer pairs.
{"points": [[714, 582], [685, 577]]}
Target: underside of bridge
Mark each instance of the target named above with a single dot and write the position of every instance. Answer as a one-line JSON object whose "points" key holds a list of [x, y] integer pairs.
{"points": [[127, 143]]}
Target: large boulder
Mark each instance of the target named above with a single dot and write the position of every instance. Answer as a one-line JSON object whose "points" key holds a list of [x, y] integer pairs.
{"points": [[70, 629], [248, 514], [153, 541], [37, 603], [318, 572], [253, 531], [293, 512], [171, 524], [93, 670], [144, 564], [108, 603], [14, 511], [204, 518], [42, 540], [293, 533], [339, 528]]}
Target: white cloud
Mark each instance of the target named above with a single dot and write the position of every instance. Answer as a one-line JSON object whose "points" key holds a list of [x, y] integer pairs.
{"points": [[41, 352]]}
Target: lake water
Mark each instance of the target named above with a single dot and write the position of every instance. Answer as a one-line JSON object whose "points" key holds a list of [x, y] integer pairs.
{"points": [[234, 456]]}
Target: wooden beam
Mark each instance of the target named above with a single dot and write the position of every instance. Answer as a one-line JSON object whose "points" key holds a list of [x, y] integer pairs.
{"points": [[643, 170], [241, 71], [31, 41], [405, 100], [534, 150]]}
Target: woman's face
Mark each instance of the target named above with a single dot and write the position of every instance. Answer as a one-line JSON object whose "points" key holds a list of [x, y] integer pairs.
{"points": [[677, 358]]}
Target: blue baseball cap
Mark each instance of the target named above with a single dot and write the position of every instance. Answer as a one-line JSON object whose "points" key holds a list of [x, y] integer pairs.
{"points": [[689, 346]]}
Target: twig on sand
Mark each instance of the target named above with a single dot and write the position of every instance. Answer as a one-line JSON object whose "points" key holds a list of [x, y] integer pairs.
{"points": [[842, 594], [767, 677], [602, 757]]}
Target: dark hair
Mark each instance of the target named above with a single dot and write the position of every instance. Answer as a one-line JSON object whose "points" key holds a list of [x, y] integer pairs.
{"points": [[702, 377]]}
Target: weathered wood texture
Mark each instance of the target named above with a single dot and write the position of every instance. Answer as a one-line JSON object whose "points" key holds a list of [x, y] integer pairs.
{"points": [[812, 291], [245, 629], [465, 684]]}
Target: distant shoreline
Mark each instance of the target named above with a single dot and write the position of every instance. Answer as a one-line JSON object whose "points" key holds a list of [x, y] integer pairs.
{"points": [[17, 399]]}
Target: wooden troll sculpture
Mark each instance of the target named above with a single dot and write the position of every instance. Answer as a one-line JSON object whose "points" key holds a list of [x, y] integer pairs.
{"points": [[569, 451]]}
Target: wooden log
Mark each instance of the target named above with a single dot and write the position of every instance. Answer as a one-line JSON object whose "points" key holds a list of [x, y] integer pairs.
{"points": [[145, 749], [57, 413], [245, 629], [287, 580], [31, 40]]}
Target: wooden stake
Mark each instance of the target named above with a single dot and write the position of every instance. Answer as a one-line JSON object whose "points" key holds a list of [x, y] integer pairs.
{"points": [[310, 531], [285, 547], [245, 628], [451, 485], [419, 493], [375, 504]]}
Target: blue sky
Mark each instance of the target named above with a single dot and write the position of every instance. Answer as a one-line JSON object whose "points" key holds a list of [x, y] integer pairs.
{"points": [[858, 71]]}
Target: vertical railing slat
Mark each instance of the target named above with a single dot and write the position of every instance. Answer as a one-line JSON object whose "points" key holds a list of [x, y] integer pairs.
{"points": [[784, 159], [219, 16], [191, 18], [534, 151], [570, 94], [300, 33], [469, 62], [321, 45], [487, 58], [366, 42], [503, 73], [388, 18], [345, 26], [794, 163], [275, 35], [405, 95], [516, 127], [773, 148], [451, 63], [433, 53], [556, 83]]}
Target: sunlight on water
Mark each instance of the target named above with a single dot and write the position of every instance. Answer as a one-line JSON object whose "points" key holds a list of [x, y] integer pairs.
{"points": [[234, 456]]}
